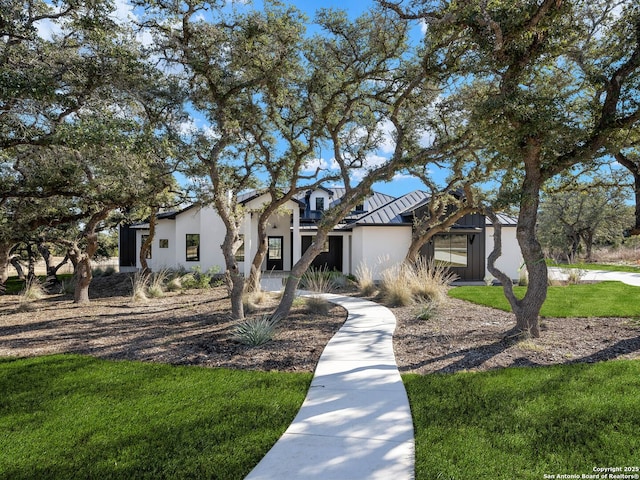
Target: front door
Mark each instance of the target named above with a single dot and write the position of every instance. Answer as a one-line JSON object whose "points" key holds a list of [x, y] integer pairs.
{"points": [[274, 254]]}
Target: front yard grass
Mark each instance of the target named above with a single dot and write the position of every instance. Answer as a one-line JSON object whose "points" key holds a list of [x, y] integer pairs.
{"points": [[71, 416], [526, 422], [596, 266], [604, 299]]}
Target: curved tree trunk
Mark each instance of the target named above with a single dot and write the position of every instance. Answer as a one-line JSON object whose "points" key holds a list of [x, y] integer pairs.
{"points": [[5, 253], [229, 248], [145, 248], [16, 264], [253, 282], [527, 309], [297, 271]]}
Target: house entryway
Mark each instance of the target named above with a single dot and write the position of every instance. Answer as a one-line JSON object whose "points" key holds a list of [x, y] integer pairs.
{"points": [[275, 254]]}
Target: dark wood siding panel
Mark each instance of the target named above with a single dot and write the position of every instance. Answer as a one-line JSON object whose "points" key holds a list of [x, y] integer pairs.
{"points": [[475, 269], [127, 251], [331, 260]]}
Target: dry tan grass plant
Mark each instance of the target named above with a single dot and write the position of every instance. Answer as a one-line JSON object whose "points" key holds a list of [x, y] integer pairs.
{"points": [[364, 274]]}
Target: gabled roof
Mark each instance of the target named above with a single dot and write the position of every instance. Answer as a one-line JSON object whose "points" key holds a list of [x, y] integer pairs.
{"points": [[391, 212], [504, 219], [246, 197]]}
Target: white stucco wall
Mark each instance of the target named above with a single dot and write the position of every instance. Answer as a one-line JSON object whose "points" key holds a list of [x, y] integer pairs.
{"points": [[511, 259], [379, 247]]}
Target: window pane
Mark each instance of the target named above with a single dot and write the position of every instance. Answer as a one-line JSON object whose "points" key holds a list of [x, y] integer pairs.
{"points": [[164, 243], [319, 203], [275, 248], [450, 250], [193, 247]]}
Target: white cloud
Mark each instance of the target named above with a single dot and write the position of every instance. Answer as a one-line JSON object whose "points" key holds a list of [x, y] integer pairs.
{"points": [[315, 164], [388, 144]]}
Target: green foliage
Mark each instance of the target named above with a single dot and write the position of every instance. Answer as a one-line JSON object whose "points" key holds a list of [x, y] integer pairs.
{"points": [[197, 279], [255, 331], [525, 422], [74, 417], [604, 299]]}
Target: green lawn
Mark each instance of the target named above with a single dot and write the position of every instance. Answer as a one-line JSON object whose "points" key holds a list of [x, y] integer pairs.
{"points": [[69, 416], [604, 299], [15, 285], [596, 266], [523, 423]]}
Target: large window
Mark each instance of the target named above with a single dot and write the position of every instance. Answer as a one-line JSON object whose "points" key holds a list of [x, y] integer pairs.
{"points": [[450, 250], [193, 247]]}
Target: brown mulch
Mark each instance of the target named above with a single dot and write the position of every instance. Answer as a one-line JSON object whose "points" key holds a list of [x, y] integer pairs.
{"points": [[195, 328]]}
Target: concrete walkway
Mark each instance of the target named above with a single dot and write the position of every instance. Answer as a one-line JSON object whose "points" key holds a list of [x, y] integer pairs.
{"points": [[355, 422], [629, 278]]}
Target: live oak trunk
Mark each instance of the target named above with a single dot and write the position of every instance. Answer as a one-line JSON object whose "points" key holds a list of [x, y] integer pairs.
{"points": [[233, 274], [527, 309], [297, 271], [5, 253], [145, 248], [253, 282]]}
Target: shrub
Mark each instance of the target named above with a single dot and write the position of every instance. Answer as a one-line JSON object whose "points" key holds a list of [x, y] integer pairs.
{"points": [[318, 280], [366, 284], [255, 331], [318, 305], [197, 279]]}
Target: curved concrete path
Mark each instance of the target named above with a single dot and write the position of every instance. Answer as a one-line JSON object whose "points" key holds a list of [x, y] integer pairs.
{"points": [[355, 422], [598, 275]]}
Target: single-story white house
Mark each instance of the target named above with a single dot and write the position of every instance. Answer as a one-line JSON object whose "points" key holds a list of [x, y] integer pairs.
{"points": [[376, 233]]}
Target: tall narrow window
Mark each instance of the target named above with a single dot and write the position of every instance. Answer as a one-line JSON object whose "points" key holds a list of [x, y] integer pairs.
{"points": [[319, 203], [450, 250], [193, 247]]}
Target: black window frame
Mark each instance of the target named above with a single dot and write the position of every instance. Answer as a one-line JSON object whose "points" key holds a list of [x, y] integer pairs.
{"points": [[191, 244]]}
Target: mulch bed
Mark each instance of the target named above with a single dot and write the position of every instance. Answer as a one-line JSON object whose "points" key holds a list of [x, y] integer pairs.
{"points": [[194, 328]]}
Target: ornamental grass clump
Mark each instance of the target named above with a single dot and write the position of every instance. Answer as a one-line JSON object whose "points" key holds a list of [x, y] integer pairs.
{"points": [[424, 281], [139, 287], [395, 286], [430, 280], [157, 283], [318, 305], [366, 285], [319, 280], [33, 290], [255, 331]]}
